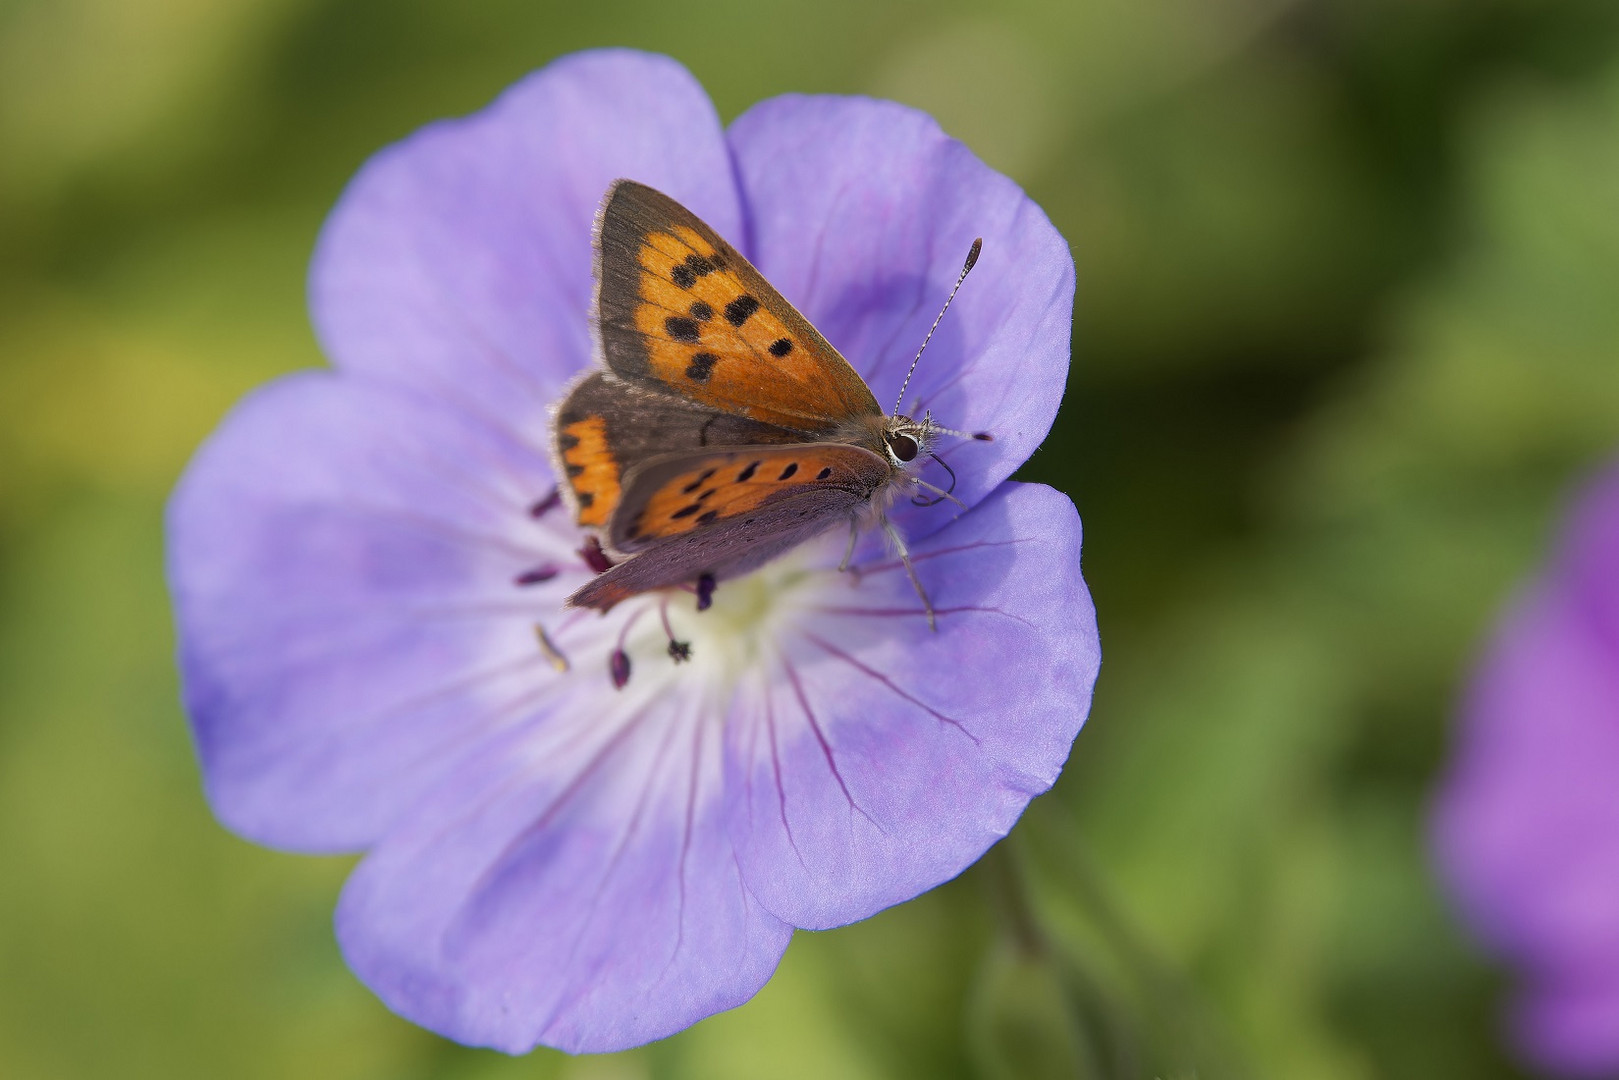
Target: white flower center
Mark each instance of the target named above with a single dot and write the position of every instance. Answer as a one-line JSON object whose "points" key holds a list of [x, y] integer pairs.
{"points": [[747, 617]]}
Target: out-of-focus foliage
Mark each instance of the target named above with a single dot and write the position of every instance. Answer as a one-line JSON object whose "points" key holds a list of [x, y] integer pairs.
{"points": [[1346, 332]]}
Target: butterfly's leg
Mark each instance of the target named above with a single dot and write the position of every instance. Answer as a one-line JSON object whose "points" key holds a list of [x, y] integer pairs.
{"points": [[905, 558], [848, 552]]}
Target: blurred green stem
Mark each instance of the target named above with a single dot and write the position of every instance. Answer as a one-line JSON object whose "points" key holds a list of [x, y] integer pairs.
{"points": [[1145, 1020]]}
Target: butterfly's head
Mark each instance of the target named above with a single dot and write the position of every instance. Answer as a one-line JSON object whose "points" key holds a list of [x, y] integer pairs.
{"points": [[905, 440]]}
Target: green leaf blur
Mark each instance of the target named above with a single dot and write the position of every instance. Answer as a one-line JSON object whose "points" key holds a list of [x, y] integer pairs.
{"points": [[1345, 337]]}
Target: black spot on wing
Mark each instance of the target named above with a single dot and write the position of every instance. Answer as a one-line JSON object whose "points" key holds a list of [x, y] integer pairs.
{"points": [[701, 311], [780, 347], [747, 474], [701, 366], [686, 274], [792, 467], [824, 473], [741, 309], [686, 511], [681, 328], [707, 516], [697, 483]]}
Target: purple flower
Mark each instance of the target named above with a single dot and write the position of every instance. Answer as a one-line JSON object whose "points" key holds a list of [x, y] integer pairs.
{"points": [[1527, 822], [369, 577]]}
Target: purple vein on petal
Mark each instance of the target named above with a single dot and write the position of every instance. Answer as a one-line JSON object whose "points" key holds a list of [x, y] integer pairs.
{"points": [[813, 280], [826, 747], [458, 478], [685, 840], [595, 906], [489, 608], [977, 545], [442, 393], [781, 790], [447, 394], [573, 787], [435, 750], [833, 650], [849, 610], [503, 714], [1006, 385], [886, 350], [320, 647], [440, 529], [461, 326]]}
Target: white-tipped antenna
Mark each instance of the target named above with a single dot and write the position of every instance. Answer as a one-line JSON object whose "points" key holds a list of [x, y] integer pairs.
{"points": [[972, 257]]}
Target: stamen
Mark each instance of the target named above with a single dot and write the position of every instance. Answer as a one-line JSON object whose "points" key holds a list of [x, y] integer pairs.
{"points": [[547, 504], [679, 651], [552, 653], [618, 666], [705, 591], [537, 575], [594, 556]]}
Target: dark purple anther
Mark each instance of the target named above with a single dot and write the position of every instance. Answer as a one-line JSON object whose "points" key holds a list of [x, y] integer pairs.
{"points": [[619, 666], [547, 504], [679, 651], [705, 592], [594, 556], [536, 575]]}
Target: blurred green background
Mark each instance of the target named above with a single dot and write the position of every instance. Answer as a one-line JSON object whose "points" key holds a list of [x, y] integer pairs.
{"points": [[1347, 332]]}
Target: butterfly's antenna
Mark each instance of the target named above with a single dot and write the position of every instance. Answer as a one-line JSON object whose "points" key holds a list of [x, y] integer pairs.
{"points": [[972, 257], [981, 436]]}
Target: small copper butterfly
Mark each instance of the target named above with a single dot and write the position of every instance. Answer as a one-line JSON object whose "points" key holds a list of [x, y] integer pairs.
{"points": [[722, 429]]}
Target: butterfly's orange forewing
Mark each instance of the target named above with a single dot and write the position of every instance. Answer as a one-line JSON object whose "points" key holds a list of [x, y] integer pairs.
{"points": [[681, 308]]}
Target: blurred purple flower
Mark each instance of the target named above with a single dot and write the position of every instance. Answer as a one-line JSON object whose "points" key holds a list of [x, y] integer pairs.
{"points": [[368, 578], [1527, 822]]}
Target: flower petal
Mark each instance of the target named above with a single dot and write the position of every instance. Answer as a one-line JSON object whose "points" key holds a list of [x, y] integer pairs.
{"points": [[459, 260], [1571, 1027], [874, 759], [574, 886], [1590, 551], [860, 212], [342, 560], [1527, 829]]}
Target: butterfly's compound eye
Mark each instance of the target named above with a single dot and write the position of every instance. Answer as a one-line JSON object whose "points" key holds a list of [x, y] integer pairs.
{"points": [[903, 446]]}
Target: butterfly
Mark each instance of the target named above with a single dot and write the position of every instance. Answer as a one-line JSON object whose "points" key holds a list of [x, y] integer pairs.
{"points": [[720, 429]]}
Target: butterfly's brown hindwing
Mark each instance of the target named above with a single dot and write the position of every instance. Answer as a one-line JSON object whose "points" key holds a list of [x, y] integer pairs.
{"points": [[679, 494], [605, 427], [749, 528], [681, 309]]}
